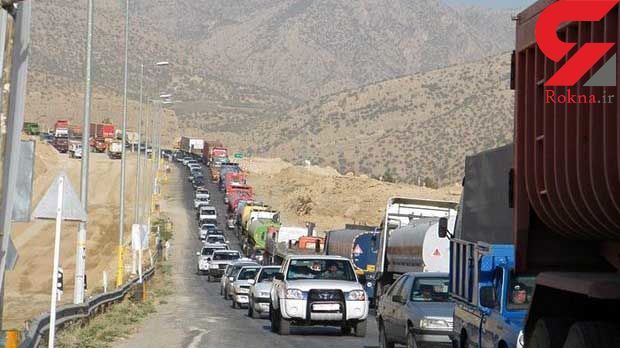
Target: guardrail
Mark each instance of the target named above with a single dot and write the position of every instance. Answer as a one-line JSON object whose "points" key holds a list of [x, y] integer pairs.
{"points": [[39, 326]]}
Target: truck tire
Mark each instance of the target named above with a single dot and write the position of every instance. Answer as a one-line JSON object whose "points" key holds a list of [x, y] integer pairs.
{"points": [[593, 334], [383, 339], [549, 333], [360, 328]]}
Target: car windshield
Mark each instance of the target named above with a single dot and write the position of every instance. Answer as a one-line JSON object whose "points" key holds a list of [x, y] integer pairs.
{"points": [[215, 238], [247, 273], [225, 256], [209, 251], [520, 292], [320, 269], [267, 274], [429, 289]]}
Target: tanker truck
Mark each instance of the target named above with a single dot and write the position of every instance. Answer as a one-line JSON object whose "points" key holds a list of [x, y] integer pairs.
{"points": [[359, 244], [406, 238], [259, 230], [566, 187]]}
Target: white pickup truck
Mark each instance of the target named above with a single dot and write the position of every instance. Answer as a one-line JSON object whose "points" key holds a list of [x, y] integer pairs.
{"points": [[318, 290]]}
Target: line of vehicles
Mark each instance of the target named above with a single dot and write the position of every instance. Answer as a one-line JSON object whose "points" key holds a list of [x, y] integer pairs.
{"points": [[529, 257]]}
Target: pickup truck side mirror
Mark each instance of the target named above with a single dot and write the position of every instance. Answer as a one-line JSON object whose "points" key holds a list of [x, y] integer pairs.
{"points": [[198, 253], [487, 297], [397, 299], [279, 276], [442, 229]]}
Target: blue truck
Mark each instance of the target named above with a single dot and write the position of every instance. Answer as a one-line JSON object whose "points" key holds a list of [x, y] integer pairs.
{"points": [[358, 243], [491, 302]]}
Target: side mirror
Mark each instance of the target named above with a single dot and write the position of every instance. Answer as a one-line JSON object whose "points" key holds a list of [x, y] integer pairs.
{"points": [[251, 281], [442, 230], [227, 242], [198, 253], [487, 297], [279, 276], [397, 298]]}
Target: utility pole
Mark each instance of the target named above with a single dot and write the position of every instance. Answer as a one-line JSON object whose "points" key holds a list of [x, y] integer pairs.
{"points": [[80, 255], [138, 166], [121, 223], [15, 121]]}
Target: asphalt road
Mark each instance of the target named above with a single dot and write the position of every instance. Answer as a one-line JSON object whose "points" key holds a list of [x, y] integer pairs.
{"points": [[196, 315]]}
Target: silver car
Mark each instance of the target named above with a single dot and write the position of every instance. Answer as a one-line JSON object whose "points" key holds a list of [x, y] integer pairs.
{"points": [[416, 311], [240, 286], [219, 261], [230, 273], [260, 291]]}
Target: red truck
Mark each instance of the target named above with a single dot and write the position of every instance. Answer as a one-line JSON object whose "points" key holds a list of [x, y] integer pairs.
{"points": [[102, 130], [75, 132], [61, 129], [566, 181], [213, 149], [237, 193]]}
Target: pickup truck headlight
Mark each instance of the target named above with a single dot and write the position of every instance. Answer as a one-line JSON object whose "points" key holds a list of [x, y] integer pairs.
{"points": [[356, 295], [294, 294], [438, 324]]}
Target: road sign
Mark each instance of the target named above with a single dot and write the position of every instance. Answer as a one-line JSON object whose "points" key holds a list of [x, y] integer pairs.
{"points": [[71, 205], [238, 155]]}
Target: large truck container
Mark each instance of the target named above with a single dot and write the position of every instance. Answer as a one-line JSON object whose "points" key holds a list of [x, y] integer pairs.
{"points": [[482, 258], [61, 129], [567, 181], [224, 170], [102, 130], [247, 212], [75, 132], [258, 232], [207, 151], [276, 252], [402, 213], [236, 194], [192, 145], [360, 245]]}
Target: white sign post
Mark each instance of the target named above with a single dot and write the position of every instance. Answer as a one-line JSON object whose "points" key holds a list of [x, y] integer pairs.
{"points": [[67, 207]]}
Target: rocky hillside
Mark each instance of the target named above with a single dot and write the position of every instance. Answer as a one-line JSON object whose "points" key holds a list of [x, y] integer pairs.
{"points": [[414, 129]]}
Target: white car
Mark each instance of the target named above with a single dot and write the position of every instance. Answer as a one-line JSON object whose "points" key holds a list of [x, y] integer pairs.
{"points": [[204, 229], [201, 201], [204, 256], [215, 239], [318, 290], [219, 261], [192, 164], [230, 273], [207, 212], [186, 160], [240, 286], [260, 291]]}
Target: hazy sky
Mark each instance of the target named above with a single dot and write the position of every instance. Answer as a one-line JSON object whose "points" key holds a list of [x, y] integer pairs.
{"points": [[496, 3]]}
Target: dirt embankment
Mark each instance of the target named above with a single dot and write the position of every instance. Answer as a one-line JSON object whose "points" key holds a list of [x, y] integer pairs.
{"points": [[28, 286], [327, 198]]}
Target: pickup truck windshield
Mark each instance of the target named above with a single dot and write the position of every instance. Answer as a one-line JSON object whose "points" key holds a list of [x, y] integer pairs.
{"points": [[430, 290], [225, 256], [320, 269]]}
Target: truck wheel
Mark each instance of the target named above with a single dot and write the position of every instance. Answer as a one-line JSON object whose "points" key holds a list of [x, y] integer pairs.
{"points": [[360, 328], [383, 339], [593, 334], [549, 333], [284, 326], [411, 343]]}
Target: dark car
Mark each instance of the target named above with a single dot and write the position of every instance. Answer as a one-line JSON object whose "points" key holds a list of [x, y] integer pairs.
{"points": [[416, 311]]}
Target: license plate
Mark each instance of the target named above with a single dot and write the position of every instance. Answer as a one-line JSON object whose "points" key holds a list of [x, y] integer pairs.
{"points": [[326, 307]]}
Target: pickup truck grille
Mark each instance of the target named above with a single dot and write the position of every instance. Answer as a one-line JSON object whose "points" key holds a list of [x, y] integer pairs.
{"points": [[325, 295], [222, 266]]}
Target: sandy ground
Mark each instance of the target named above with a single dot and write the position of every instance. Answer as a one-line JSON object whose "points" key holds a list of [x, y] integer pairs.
{"points": [[28, 286], [327, 198]]}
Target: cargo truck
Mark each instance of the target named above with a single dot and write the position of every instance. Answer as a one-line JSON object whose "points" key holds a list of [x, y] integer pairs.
{"points": [[191, 145], [102, 130], [225, 169], [276, 252], [407, 238], [482, 257], [209, 152], [258, 231], [61, 144], [75, 132], [567, 185], [61, 129], [358, 243], [31, 128], [236, 194], [115, 149]]}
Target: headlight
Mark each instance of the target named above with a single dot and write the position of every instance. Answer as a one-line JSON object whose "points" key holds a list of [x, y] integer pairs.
{"points": [[356, 295], [435, 324], [264, 294], [294, 294], [231, 278]]}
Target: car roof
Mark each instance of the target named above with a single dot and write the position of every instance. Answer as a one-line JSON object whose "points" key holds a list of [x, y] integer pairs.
{"points": [[213, 245], [227, 251]]}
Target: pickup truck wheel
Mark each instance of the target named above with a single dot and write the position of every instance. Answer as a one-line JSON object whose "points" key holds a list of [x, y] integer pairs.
{"points": [[593, 334], [549, 333], [360, 329], [284, 326], [383, 340]]}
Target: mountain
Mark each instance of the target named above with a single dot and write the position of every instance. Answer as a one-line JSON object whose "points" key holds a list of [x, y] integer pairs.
{"points": [[415, 129]]}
